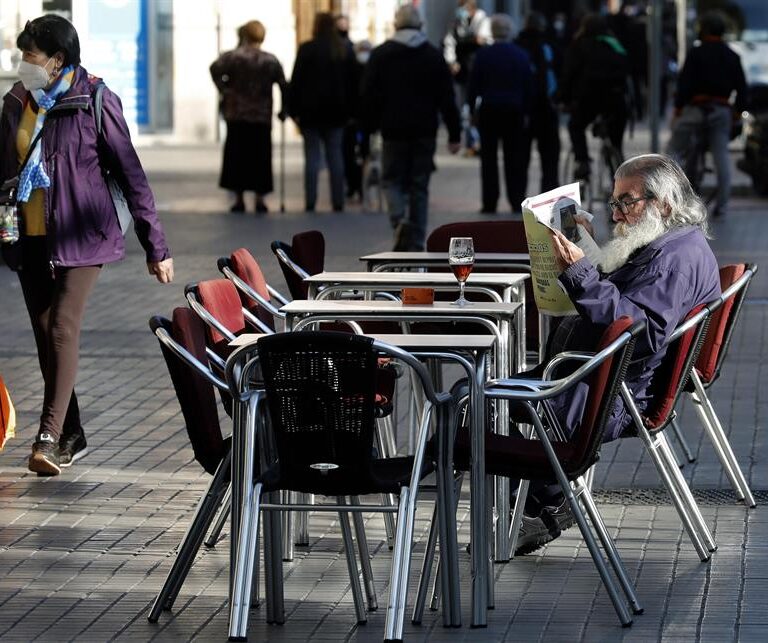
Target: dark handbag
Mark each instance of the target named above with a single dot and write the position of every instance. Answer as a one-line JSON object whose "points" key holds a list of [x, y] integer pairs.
{"points": [[124, 216]]}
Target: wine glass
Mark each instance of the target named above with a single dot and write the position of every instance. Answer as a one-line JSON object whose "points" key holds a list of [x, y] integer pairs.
{"points": [[461, 258]]}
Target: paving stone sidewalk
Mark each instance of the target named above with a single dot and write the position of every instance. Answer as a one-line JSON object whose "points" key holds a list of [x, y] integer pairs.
{"points": [[83, 555]]}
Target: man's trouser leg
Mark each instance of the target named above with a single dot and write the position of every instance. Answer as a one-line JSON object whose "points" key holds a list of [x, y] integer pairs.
{"points": [[547, 133], [423, 165], [513, 142], [335, 159], [718, 126], [395, 167], [683, 145], [312, 151], [489, 163]]}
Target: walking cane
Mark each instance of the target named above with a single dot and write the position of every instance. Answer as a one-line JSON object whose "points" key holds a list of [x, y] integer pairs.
{"points": [[282, 166]]}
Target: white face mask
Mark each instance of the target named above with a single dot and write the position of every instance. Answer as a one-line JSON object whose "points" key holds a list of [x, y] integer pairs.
{"points": [[33, 76]]}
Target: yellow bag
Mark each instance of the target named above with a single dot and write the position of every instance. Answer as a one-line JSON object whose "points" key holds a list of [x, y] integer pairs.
{"points": [[7, 415]]}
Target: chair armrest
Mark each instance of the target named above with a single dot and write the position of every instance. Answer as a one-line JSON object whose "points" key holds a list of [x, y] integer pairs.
{"points": [[177, 349], [206, 316]]}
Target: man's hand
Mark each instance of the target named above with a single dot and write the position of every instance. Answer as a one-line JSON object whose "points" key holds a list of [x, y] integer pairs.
{"points": [[163, 270], [566, 253], [454, 148]]}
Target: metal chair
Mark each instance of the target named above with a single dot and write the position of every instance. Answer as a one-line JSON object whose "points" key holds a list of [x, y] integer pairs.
{"points": [[320, 391], [182, 342], [255, 293], [684, 347], [567, 460], [303, 257], [734, 282]]}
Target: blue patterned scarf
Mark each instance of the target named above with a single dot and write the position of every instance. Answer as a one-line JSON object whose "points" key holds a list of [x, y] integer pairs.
{"points": [[33, 174]]}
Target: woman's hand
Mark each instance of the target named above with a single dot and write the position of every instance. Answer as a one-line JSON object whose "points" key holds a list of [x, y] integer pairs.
{"points": [[163, 270], [566, 253]]}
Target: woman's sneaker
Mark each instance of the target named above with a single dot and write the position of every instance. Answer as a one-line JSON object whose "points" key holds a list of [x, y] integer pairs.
{"points": [[45, 456], [71, 448]]}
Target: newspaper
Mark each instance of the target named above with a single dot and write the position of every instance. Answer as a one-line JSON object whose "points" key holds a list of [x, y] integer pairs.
{"points": [[554, 210]]}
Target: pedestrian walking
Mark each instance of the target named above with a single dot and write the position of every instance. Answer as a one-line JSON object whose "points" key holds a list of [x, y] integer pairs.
{"points": [[406, 85], [469, 32], [69, 223], [704, 116], [244, 78], [501, 83], [321, 94], [595, 82], [544, 120]]}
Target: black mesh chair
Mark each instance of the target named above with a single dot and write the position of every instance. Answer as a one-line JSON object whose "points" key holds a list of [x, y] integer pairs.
{"points": [[320, 389], [182, 342]]}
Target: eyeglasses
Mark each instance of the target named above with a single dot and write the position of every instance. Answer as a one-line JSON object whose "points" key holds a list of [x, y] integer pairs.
{"points": [[624, 204]]}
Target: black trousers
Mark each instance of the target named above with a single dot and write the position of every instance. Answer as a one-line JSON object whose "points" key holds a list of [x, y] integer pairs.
{"points": [[544, 128], [505, 125], [612, 107], [353, 170], [247, 160]]}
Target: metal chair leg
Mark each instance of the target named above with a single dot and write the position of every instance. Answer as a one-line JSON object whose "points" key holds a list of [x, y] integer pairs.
{"points": [[243, 580], [517, 516], [722, 446], [680, 437], [609, 547], [354, 575], [426, 571], [215, 533], [190, 544], [652, 447], [365, 556], [687, 496], [386, 446], [676, 458]]}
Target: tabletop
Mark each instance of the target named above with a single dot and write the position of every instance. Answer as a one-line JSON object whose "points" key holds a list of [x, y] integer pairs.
{"points": [[417, 278], [396, 308], [407, 342], [442, 257]]}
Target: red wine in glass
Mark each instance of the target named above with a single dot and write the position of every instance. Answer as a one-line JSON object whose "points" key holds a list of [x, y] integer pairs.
{"points": [[461, 259]]}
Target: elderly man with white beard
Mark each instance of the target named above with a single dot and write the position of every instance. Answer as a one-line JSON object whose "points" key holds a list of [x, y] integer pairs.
{"points": [[657, 267]]}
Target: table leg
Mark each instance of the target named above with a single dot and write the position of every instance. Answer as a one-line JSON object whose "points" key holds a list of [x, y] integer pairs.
{"points": [[479, 527], [501, 504]]}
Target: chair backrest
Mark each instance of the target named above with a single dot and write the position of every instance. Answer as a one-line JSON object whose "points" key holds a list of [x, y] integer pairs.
{"points": [[195, 394], [723, 321], [220, 298], [604, 384], [493, 236], [674, 371], [305, 253], [247, 268], [321, 394]]}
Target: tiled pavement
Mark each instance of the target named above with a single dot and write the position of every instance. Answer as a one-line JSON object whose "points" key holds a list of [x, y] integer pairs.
{"points": [[82, 555]]}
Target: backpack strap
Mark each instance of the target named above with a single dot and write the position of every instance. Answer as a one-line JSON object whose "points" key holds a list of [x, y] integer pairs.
{"points": [[98, 97]]}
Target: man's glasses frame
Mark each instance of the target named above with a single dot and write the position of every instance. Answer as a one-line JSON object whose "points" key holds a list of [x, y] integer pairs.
{"points": [[623, 204]]}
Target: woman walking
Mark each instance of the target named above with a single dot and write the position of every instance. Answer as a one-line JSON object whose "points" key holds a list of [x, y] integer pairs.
{"points": [[68, 221], [244, 77], [321, 99]]}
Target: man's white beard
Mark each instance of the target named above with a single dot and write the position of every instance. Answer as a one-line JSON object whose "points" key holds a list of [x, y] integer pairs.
{"points": [[628, 238]]}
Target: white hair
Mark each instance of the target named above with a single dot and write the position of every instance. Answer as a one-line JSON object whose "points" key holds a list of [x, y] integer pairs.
{"points": [[665, 180], [502, 27]]}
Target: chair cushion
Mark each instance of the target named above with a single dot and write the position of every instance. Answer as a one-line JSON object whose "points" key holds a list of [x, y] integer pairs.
{"points": [[195, 394], [219, 297], [308, 250], [706, 364], [246, 267], [671, 373]]}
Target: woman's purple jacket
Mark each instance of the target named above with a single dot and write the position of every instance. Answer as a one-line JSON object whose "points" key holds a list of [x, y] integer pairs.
{"points": [[660, 284], [80, 217]]}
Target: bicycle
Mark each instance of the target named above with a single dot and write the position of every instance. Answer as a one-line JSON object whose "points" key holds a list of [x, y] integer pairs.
{"points": [[598, 186]]}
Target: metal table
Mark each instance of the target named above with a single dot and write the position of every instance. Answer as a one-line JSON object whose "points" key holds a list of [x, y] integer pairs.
{"points": [[455, 347], [497, 318], [385, 261]]}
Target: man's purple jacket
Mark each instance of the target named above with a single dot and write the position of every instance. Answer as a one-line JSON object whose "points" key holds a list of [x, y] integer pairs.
{"points": [[80, 217], [660, 284]]}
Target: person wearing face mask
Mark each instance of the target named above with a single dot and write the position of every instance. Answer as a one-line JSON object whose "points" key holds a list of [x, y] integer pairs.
{"points": [[69, 224]]}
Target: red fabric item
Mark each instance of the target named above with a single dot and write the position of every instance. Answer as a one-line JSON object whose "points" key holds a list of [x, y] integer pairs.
{"points": [[219, 297], [195, 394], [706, 364], [308, 250], [247, 268], [671, 372]]}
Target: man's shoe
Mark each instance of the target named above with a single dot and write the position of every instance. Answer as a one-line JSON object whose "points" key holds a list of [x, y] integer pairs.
{"points": [[72, 448], [533, 535], [45, 456], [560, 516]]}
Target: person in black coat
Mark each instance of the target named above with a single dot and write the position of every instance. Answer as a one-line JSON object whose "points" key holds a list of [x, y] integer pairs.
{"points": [[406, 84], [320, 99], [501, 80], [544, 123]]}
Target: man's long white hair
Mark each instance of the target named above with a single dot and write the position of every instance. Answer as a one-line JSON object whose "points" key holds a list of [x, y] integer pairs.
{"points": [[673, 194]]}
